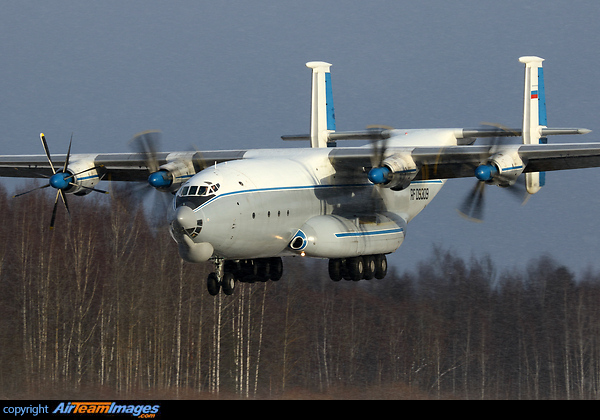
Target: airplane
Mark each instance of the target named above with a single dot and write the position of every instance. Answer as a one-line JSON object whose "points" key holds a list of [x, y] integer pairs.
{"points": [[244, 210]]}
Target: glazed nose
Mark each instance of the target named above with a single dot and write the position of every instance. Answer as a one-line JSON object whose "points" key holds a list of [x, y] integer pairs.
{"points": [[186, 221], [185, 217]]}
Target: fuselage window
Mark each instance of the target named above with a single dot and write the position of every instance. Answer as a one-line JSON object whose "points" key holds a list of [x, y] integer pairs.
{"points": [[193, 190], [184, 190]]}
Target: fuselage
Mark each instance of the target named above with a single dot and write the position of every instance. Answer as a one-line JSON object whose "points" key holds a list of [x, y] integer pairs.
{"points": [[293, 201]]}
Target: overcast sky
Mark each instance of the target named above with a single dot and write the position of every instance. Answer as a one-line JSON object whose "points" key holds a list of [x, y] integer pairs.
{"points": [[231, 74]]}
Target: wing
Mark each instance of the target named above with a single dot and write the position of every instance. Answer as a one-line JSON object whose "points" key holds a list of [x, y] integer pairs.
{"points": [[461, 161], [113, 166], [436, 162]]}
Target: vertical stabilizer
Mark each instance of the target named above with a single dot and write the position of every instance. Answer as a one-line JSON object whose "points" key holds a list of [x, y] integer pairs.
{"points": [[322, 116], [534, 114]]}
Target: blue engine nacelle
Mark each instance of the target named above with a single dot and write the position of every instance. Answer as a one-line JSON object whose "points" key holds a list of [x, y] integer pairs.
{"points": [[502, 169], [79, 179], [170, 176], [395, 172], [334, 236]]}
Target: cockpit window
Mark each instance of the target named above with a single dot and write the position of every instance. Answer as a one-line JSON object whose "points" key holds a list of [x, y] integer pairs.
{"points": [[201, 190], [194, 196]]}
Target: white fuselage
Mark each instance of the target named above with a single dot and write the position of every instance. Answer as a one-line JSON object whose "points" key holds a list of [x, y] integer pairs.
{"points": [[295, 201]]}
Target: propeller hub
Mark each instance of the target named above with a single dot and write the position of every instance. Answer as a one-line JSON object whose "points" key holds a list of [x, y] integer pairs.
{"points": [[160, 179], [60, 180], [486, 172], [379, 175]]}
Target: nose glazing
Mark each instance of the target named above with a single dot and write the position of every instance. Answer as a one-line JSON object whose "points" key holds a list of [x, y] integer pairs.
{"points": [[187, 222]]}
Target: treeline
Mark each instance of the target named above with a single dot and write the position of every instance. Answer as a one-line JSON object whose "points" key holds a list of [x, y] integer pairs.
{"points": [[102, 306]]}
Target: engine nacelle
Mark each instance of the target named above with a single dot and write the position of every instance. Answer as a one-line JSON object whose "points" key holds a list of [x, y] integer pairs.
{"points": [[502, 169], [339, 237], [83, 175], [171, 175], [396, 172]]}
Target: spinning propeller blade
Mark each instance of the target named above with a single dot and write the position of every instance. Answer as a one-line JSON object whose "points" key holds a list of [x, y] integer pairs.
{"points": [[146, 144], [472, 207]]}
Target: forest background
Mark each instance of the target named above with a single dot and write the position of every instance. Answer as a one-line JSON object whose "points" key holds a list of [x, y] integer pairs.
{"points": [[103, 307]]}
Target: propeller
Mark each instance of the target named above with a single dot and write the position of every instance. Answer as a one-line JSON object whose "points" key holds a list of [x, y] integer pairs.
{"points": [[146, 144], [379, 174], [61, 180], [472, 207]]}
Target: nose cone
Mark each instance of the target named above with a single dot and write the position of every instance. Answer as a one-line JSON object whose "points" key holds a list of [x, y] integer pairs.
{"points": [[185, 227], [186, 223], [185, 217]]}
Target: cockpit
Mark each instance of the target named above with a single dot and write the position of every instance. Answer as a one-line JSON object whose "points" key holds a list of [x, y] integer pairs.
{"points": [[194, 196]]}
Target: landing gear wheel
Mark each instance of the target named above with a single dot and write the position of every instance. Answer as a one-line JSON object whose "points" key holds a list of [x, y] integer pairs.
{"points": [[263, 270], [213, 284], [275, 268], [370, 267], [228, 283], [356, 268], [335, 269], [380, 266]]}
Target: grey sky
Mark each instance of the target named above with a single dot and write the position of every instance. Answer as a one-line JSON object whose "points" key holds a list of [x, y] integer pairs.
{"points": [[230, 74]]}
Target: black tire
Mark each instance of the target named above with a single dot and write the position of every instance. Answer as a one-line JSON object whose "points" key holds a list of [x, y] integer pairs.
{"points": [[345, 269], [335, 269], [356, 268], [212, 284], [263, 269], [249, 271], [228, 283], [370, 267], [275, 268], [381, 266]]}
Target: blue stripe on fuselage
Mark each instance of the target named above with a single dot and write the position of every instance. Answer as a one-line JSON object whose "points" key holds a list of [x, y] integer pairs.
{"points": [[373, 233]]}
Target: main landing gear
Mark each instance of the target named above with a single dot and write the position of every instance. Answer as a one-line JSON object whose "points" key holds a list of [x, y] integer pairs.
{"points": [[228, 272], [358, 268]]}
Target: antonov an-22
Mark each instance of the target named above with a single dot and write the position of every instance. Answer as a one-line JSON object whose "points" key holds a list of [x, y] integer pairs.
{"points": [[245, 209]]}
